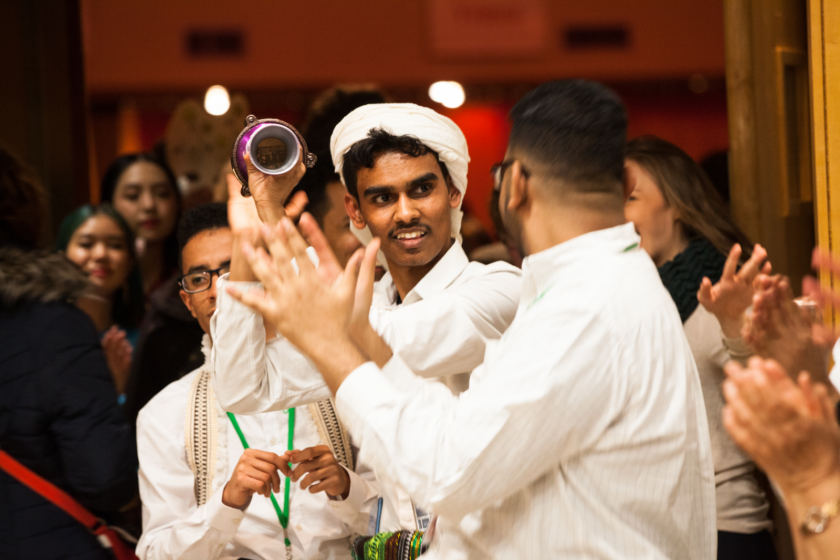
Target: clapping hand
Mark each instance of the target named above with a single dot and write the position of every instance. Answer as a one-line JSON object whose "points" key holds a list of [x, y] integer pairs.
{"points": [[733, 293], [309, 308], [782, 331], [118, 354], [788, 427]]}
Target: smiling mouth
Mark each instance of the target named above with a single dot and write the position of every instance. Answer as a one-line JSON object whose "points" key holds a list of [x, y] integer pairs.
{"points": [[411, 235]]}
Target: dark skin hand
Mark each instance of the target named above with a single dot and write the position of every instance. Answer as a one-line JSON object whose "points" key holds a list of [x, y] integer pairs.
{"points": [[318, 470], [255, 473]]}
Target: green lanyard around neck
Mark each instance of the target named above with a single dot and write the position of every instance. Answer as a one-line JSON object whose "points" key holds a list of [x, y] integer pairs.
{"points": [[282, 514]]}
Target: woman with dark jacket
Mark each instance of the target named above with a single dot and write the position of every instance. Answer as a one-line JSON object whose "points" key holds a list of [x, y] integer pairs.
{"points": [[58, 408]]}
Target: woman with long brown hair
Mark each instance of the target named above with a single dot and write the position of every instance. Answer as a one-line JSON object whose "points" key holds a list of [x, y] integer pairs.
{"points": [[686, 230]]}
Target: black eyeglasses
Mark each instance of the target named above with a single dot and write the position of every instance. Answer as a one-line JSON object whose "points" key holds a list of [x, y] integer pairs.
{"points": [[195, 282], [498, 173]]}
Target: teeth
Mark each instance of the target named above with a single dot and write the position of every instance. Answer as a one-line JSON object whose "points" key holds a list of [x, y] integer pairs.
{"points": [[412, 235]]}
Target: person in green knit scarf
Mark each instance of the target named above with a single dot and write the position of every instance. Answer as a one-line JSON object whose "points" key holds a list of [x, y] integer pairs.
{"points": [[697, 248]]}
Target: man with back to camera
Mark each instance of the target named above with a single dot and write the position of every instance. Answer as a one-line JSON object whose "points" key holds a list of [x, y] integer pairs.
{"points": [[584, 433], [197, 482], [405, 167]]}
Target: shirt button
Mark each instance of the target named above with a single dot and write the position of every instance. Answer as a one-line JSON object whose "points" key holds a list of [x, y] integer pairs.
{"points": [[236, 521], [298, 527], [273, 441]]}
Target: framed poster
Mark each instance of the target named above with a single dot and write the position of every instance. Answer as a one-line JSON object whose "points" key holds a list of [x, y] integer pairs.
{"points": [[481, 28]]}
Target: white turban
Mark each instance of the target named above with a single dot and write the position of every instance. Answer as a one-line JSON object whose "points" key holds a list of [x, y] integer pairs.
{"points": [[433, 129]]}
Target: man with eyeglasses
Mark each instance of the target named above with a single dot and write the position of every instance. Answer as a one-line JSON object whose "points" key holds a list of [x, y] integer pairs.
{"points": [[200, 468], [405, 169]]}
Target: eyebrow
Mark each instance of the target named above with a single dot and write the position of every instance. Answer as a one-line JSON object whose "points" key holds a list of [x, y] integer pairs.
{"points": [[425, 178], [204, 267]]}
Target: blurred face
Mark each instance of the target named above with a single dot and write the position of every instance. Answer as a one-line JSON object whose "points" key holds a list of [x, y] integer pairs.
{"points": [[656, 222], [207, 250], [146, 199], [336, 224], [405, 201], [100, 249]]}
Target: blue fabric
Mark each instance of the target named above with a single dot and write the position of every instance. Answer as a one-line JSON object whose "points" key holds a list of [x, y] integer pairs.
{"points": [[59, 417]]}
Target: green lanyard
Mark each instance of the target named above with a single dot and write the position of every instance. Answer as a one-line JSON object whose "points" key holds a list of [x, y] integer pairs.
{"points": [[283, 517]]}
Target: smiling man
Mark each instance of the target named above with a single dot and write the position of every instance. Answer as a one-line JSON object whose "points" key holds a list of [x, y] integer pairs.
{"points": [[405, 168]]}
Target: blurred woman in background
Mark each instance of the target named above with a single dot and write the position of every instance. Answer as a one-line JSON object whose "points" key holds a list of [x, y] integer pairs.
{"points": [[98, 240], [685, 229], [58, 409], [143, 190]]}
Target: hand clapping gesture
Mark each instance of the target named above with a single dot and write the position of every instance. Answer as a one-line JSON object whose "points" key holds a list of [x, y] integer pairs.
{"points": [[309, 308], [732, 295], [118, 354]]}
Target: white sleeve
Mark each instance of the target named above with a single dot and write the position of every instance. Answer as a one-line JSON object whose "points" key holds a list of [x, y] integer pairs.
{"points": [[456, 455], [364, 491], [173, 525], [250, 374], [446, 334]]}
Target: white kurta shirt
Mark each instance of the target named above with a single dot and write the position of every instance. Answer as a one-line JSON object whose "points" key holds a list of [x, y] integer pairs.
{"points": [[441, 329], [175, 527], [583, 435]]}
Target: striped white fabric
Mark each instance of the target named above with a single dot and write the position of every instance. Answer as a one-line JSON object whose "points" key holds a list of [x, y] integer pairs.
{"points": [[583, 435]]}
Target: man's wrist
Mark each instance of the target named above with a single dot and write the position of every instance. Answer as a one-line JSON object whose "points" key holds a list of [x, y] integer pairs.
{"points": [[233, 499], [271, 212], [336, 358]]}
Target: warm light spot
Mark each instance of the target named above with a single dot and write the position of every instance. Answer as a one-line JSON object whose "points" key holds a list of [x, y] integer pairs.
{"points": [[448, 94], [217, 100]]}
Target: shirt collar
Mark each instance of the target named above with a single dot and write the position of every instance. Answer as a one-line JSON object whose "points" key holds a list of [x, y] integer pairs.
{"points": [[447, 269], [540, 271]]}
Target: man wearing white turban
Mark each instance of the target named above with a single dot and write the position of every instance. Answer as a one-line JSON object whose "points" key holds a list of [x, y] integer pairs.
{"points": [[405, 167]]}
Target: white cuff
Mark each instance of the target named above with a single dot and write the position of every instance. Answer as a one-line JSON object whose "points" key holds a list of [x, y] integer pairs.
{"points": [[224, 519]]}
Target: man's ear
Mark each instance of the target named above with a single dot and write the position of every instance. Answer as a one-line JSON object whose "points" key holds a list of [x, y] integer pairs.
{"points": [[454, 194], [351, 205], [518, 187], [185, 297], [628, 182]]}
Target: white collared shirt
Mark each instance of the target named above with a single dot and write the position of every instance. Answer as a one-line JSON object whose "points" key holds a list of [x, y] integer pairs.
{"points": [[442, 328], [174, 526], [583, 435]]}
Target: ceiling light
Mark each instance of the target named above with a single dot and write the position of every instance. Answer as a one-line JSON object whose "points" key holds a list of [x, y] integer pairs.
{"points": [[448, 94], [217, 100]]}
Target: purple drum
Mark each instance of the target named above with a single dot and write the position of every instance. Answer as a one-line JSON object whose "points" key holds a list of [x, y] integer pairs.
{"points": [[275, 148]]}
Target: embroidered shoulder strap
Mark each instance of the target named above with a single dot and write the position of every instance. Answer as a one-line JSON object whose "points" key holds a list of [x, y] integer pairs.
{"points": [[332, 431], [200, 431]]}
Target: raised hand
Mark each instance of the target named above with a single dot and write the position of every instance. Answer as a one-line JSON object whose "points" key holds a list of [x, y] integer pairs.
{"points": [[245, 223], [271, 191], [789, 428], [782, 331], [255, 473], [311, 311], [118, 354], [319, 471], [733, 293]]}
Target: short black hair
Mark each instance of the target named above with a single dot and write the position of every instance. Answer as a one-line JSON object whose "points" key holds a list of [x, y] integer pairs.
{"points": [[314, 184], [364, 153], [330, 108], [201, 218], [576, 129]]}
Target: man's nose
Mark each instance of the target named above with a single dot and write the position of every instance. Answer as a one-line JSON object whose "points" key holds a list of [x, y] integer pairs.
{"points": [[406, 209]]}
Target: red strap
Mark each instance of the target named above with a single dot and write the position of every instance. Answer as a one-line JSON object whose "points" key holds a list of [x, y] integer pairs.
{"points": [[48, 491]]}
